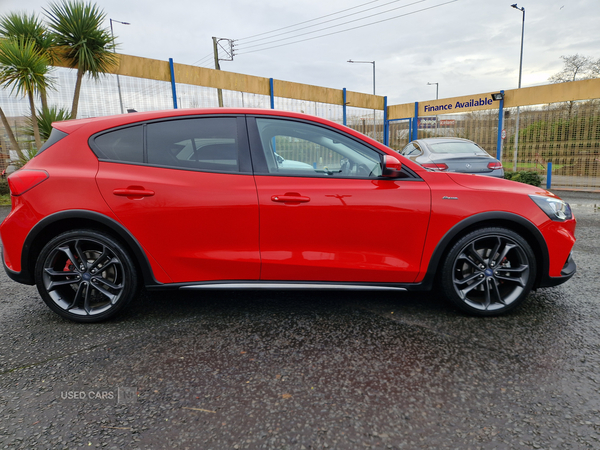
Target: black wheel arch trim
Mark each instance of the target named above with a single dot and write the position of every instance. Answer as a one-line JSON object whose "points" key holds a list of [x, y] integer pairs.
{"points": [[26, 275], [483, 219], [488, 219]]}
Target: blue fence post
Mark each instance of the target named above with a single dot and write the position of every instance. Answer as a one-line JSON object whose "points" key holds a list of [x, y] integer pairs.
{"points": [[344, 108], [386, 124], [549, 176], [415, 124], [500, 126], [272, 93], [173, 88]]}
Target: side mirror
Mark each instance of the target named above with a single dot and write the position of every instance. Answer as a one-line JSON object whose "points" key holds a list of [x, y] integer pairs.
{"points": [[391, 167]]}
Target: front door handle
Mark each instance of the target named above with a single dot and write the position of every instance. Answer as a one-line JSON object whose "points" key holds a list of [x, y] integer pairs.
{"points": [[133, 192], [290, 198]]}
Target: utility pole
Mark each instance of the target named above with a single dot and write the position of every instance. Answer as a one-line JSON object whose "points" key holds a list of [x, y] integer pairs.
{"points": [[229, 52]]}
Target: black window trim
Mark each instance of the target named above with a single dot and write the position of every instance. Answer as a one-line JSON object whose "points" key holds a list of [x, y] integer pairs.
{"points": [[245, 161]]}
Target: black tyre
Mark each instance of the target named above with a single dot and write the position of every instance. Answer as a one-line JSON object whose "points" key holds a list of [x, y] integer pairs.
{"points": [[489, 271], [85, 276]]}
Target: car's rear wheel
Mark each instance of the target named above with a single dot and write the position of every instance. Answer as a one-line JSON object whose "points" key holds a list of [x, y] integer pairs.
{"points": [[85, 276], [489, 271]]}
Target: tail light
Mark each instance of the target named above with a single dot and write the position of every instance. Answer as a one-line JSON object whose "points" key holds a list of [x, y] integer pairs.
{"points": [[23, 180], [495, 165], [434, 166]]}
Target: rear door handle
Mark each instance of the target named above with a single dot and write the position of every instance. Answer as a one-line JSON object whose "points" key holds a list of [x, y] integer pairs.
{"points": [[290, 198], [133, 192]]}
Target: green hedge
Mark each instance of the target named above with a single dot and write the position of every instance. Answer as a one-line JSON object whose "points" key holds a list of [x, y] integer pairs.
{"points": [[4, 187], [532, 178]]}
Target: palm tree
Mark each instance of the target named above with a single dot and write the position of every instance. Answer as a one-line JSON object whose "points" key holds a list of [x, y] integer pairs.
{"points": [[30, 27], [24, 69], [87, 46], [11, 135], [46, 117]]}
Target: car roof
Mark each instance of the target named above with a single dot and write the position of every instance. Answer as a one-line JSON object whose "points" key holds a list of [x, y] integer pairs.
{"points": [[443, 139], [103, 122]]}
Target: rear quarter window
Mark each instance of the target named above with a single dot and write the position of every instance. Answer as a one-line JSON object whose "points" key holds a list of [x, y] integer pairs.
{"points": [[125, 144], [55, 136]]}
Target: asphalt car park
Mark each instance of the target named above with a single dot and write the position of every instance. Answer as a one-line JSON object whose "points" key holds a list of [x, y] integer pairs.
{"points": [[280, 369]]}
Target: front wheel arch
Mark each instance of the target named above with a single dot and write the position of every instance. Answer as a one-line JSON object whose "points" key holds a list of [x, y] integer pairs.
{"points": [[511, 221]]}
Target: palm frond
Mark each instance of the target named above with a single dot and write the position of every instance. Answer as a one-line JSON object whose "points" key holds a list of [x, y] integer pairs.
{"points": [[78, 30], [46, 117], [23, 68], [28, 26]]}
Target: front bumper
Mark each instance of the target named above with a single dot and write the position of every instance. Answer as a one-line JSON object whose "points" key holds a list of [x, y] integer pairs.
{"points": [[565, 274]]}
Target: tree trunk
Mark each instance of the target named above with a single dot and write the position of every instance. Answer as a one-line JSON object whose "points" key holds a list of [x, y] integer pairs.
{"points": [[11, 136], [34, 122], [44, 98], [76, 94]]}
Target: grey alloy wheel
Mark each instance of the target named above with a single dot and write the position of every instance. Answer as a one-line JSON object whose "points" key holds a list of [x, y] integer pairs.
{"points": [[489, 271], [85, 276]]}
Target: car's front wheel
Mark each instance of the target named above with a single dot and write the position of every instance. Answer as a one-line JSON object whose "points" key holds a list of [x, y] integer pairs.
{"points": [[489, 271], [85, 276]]}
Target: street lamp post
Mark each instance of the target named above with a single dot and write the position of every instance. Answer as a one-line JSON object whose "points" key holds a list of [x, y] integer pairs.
{"points": [[436, 88], [437, 85], [374, 112], [522, 9], [115, 51]]}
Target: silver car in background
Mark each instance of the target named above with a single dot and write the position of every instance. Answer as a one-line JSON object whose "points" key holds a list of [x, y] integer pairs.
{"points": [[453, 155]]}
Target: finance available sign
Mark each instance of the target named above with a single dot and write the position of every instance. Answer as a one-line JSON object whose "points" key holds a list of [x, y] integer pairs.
{"points": [[459, 105], [456, 105]]}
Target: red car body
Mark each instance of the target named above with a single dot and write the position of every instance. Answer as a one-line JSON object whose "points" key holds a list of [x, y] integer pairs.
{"points": [[196, 228]]}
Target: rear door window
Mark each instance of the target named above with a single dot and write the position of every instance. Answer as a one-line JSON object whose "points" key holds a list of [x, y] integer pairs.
{"points": [[199, 143]]}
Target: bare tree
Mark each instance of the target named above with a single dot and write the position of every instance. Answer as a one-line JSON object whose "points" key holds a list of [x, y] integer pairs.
{"points": [[576, 67], [595, 68]]}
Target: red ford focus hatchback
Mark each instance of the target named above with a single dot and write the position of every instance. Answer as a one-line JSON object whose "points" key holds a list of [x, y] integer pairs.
{"points": [[244, 198]]}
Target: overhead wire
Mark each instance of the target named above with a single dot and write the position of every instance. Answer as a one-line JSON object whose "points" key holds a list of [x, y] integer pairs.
{"points": [[201, 60], [338, 25], [342, 31], [321, 23], [311, 20]]}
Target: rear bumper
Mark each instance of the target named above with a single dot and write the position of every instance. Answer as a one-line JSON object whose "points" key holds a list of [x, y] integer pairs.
{"points": [[22, 277], [565, 274]]}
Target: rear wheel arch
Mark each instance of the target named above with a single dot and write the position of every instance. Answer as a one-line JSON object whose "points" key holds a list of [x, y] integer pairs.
{"points": [[510, 221], [61, 222]]}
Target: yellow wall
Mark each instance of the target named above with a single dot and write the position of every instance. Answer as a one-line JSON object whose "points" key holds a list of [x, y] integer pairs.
{"points": [[536, 95], [135, 66], [552, 93]]}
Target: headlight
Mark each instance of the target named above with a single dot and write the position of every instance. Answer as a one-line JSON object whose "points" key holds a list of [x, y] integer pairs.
{"points": [[554, 208]]}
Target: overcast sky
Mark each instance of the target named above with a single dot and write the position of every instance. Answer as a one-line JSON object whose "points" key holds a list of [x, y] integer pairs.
{"points": [[467, 46]]}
